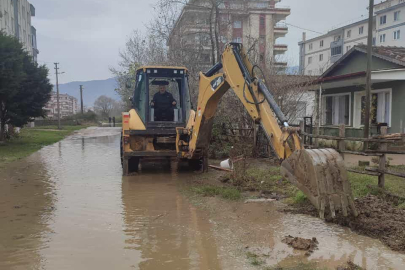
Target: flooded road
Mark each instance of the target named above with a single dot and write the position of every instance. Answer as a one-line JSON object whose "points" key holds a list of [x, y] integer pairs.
{"points": [[68, 207]]}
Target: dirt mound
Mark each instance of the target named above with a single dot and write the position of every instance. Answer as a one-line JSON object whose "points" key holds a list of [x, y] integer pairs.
{"points": [[377, 218], [302, 244]]}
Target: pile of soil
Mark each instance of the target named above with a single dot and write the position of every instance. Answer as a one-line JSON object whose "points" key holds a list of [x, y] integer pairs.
{"points": [[377, 218], [302, 244]]}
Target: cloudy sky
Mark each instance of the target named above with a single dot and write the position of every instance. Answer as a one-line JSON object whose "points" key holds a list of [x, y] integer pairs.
{"points": [[85, 36]]}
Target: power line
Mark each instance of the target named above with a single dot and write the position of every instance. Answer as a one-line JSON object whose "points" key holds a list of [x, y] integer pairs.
{"points": [[304, 29]]}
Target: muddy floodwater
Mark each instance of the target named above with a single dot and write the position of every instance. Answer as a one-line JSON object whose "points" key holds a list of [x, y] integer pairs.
{"points": [[68, 207]]}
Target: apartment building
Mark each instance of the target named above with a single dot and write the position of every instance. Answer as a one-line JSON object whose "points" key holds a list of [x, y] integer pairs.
{"points": [[68, 106], [318, 54], [15, 20], [254, 23]]}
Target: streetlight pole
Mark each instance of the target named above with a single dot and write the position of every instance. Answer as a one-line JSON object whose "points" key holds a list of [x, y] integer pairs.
{"points": [[57, 92], [368, 78]]}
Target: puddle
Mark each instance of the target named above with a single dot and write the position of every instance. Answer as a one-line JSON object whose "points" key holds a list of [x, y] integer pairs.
{"points": [[68, 207]]}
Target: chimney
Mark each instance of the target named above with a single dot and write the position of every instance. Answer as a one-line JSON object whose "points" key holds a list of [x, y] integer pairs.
{"points": [[304, 36]]}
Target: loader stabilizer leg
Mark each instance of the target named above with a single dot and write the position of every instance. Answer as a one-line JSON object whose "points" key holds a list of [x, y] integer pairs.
{"points": [[321, 175]]}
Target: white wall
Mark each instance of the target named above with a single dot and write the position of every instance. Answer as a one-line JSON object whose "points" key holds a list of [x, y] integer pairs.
{"points": [[24, 19]]}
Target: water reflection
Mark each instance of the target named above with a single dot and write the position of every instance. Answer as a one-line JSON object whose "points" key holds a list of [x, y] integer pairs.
{"points": [[26, 208], [159, 222]]}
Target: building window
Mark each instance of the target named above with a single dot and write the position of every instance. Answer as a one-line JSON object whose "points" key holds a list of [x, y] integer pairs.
{"points": [[397, 15], [224, 39], [311, 46], [321, 43], [237, 24], [361, 30], [397, 35], [320, 57], [383, 19], [382, 38], [374, 41], [349, 33], [262, 21], [336, 51], [337, 38], [309, 60], [237, 40], [347, 48], [336, 110]]}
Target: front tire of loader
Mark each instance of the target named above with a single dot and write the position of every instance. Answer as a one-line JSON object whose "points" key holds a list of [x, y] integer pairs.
{"points": [[195, 164]]}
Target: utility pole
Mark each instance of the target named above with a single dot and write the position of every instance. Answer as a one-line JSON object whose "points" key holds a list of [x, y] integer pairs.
{"points": [[57, 92], [81, 98], [368, 78]]}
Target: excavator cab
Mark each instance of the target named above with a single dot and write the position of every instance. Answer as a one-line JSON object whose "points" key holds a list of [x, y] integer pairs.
{"points": [[160, 104], [162, 98]]}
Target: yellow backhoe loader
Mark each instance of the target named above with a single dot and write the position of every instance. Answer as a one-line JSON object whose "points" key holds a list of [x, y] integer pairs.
{"points": [[165, 125]]}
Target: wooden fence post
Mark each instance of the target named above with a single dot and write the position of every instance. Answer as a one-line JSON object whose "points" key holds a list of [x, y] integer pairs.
{"points": [[342, 143], [316, 143], [383, 160]]}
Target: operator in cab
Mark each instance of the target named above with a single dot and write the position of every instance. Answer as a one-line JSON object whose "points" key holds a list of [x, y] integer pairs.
{"points": [[164, 103]]}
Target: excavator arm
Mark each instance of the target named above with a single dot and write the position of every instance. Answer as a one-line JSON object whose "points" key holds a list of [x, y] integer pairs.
{"points": [[320, 174]]}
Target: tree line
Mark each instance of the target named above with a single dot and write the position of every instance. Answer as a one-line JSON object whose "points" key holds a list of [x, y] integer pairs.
{"points": [[24, 85]]}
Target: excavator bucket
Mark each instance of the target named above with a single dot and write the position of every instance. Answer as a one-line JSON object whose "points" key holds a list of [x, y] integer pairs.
{"points": [[322, 176]]}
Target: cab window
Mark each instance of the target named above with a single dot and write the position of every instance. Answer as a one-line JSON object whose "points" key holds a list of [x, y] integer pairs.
{"points": [[139, 100]]}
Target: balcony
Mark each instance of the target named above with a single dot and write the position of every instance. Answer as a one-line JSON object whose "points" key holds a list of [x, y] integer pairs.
{"points": [[280, 30], [280, 66], [280, 49]]}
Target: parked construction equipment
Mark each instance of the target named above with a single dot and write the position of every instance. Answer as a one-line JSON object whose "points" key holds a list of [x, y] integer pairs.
{"points": [[185, 133]]}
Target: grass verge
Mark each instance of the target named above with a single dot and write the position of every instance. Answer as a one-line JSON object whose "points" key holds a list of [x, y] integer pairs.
{"points": [[31, 140]]}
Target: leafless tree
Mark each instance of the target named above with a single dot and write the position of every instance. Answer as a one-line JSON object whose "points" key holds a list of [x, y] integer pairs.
{"points": [[104, 106]]}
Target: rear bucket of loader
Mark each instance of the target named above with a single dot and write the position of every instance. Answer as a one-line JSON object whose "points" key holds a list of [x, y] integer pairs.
{"points": [[322, 176]]}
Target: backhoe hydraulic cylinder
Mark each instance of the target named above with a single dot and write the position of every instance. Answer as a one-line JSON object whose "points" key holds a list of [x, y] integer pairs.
{"points": [[273, 104]]}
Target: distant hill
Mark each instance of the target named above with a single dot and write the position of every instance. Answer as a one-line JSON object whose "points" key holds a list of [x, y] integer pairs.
{"points": [[92, 90]]}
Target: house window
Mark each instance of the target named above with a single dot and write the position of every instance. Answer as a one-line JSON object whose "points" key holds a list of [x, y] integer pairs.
{"points": [[347, 48], [336, 51], [349, 33], [397, 34], [309, 60], [311, 46], [383, 19], [374, 41], [397, 15], [320, 57], [237, 24], [336, 109], [361, 30], [224, 39], [382, 38], [321, 43], [380, 107], [337, 38]]}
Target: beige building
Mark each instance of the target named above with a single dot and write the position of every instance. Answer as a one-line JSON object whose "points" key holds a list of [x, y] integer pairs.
{"points": [[15, 20], [320, 53], [256, 24], [68, 106]]}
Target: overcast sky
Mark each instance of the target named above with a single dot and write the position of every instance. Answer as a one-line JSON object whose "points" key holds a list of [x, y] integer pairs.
{"points": [[85, 36]]}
